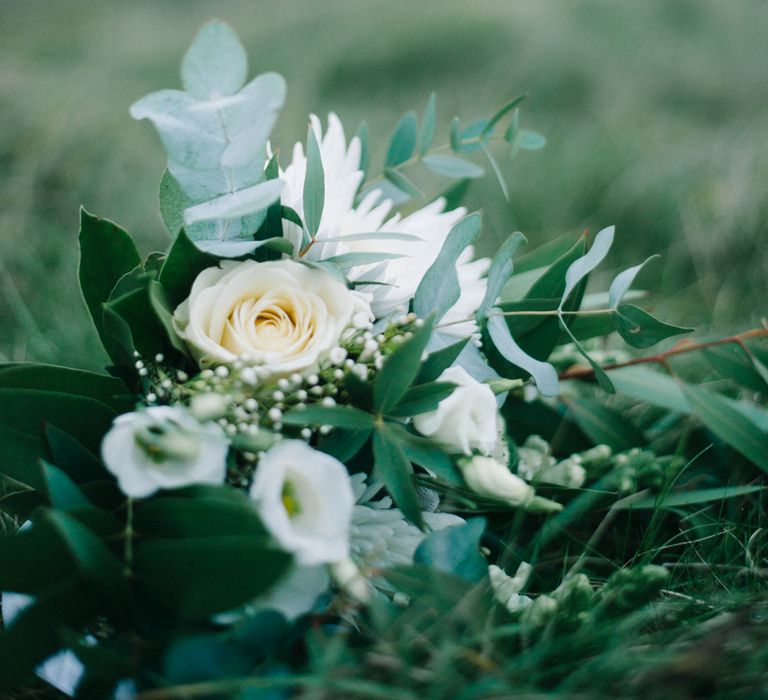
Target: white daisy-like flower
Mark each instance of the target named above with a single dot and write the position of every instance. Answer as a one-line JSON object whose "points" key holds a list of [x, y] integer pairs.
{"points": [[430, 224], [380, 536]]}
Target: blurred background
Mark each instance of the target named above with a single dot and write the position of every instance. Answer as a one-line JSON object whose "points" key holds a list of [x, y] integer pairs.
{"points": [[654, 112]]}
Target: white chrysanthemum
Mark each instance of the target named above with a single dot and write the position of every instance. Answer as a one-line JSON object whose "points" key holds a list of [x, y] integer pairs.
{"points": [[380, 536], [163, 447], [305, 499], [431, 224]]}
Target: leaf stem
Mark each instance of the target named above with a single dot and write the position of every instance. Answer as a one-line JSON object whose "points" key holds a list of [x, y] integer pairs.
{"points": [[684, 346]]}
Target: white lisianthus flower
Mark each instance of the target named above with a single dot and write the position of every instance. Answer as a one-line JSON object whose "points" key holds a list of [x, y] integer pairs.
{"points": [[342, 217], [164, 447], [465, 420], [487, 477], [281, 314], [305, 500]]}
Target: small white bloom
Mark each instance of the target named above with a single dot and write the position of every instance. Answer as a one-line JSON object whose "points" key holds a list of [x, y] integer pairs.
{"points": [[281, 314], [163, 447], [487, 477], [305, 500], [208, 406], [506, 589], [465, 420]]}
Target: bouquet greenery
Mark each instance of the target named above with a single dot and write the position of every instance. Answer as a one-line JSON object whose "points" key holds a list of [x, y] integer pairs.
{"points": [[337, 455]]}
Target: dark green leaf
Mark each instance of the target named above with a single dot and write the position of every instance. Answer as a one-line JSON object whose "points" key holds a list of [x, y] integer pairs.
{"points": [[184, 263], [403, 141], [344, 444], [731, 362], [422, 398], [337, 416], [291, 215], [731, 426], [394, 469], [64, 493], [602, 378], [194, 578], [65, 380], [440, 360], [106, 254], [604, 426], [640, 329], [148, 333], [675, 499], [400, 369]]}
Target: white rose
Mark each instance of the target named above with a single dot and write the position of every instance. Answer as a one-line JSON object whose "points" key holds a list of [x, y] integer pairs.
{"points": [[465, 420], [305, 500], [281, 314], [487, 477], [164, 447]]}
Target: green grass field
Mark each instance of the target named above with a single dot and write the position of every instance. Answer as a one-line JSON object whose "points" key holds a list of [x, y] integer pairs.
{"points": [[654, 113]]}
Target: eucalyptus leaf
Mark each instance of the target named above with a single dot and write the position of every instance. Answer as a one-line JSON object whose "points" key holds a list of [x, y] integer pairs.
{"points": [[543, 373], [580, 268], [500, 271], [530, 140], [452, 166], [600, 375], [236, 204], [455, 550], [439, 289], [402, 183], [314, 185], [623, 281], [501, 113], [428, 124], [345, 261], [173, 202], [403, 141], [215, 64], [640, 329]]}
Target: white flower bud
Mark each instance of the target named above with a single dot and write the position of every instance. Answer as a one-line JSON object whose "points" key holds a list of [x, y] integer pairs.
{"points": [[208, 406], [348, 577], [487, 477]]}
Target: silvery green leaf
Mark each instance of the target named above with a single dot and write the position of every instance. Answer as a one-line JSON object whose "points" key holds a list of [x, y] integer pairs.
{"points": [[202, 185], [374, 236], [510, 135], [499, 272], [455, 134], [314, 185], [347, 260], [249, 120], [543, 373], [530, 140], [497, 172], [236, 204], [191, 137], [215, 64], [173, 202], [235, 247], [402, 183], [452, 166], [403, 141], [427, 133], [623, 281], [386, 191], [439, 289], [600, 374], [580, 268], [362, 136]]}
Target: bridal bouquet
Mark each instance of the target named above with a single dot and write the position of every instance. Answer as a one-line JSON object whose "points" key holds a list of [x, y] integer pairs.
{"points": [[323, 408]]}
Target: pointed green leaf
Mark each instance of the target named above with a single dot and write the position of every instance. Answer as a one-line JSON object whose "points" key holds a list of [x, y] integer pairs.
{"points": [[452, 166], [640, 329], [393, 468], [184, 263], [314, 185], [499, 272], [428, 123], [403, 141]]}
